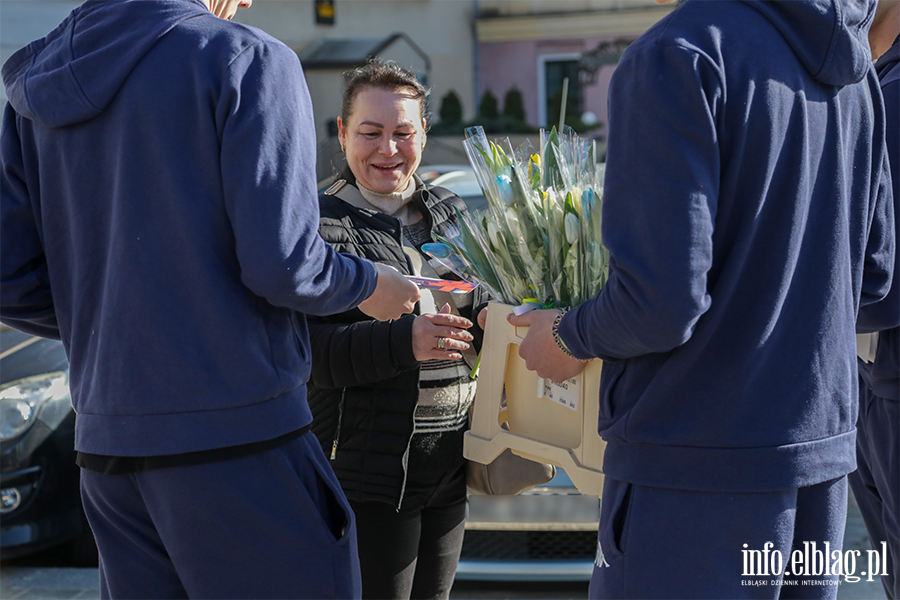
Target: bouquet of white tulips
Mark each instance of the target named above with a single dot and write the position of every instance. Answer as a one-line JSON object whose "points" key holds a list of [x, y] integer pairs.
{"points": [[539, 241]]}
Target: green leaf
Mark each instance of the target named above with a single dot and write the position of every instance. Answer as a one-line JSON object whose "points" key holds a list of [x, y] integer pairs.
{"points": [[487, 157]]}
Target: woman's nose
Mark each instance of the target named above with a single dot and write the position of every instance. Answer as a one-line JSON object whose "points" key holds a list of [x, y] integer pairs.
{"points": [[388, 146]]}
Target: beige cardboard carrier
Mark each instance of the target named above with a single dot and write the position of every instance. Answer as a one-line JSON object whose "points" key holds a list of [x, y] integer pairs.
{"points": [[554, 424]]}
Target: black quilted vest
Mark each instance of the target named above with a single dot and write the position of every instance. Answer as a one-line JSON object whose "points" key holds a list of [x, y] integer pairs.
{"points": [[364, 384]]}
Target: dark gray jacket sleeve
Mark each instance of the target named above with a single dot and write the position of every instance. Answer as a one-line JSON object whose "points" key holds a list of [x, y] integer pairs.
{"points": [[360, 353]]}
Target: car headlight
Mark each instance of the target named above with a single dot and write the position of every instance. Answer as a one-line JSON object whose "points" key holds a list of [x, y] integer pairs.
{"points": [[21, 401]]}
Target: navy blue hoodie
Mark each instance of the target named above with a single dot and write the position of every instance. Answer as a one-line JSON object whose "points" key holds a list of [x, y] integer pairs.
{"points": [[883, 375], [748, 216], [159, 215]]}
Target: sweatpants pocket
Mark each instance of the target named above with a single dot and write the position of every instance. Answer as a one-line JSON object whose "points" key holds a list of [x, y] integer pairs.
{"points": [[613, 527], [338, 522], [333, 507]]}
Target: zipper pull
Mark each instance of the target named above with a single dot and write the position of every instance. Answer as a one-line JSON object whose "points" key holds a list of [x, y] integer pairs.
{"points": [[334, 449]]}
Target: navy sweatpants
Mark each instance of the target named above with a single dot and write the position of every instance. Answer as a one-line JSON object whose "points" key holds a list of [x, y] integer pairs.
{"points": [[876, 481], [270, 525], [663, 543]]}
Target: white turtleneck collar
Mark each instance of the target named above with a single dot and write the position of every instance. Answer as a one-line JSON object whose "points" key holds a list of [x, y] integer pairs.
{"points": [[395, 204]]}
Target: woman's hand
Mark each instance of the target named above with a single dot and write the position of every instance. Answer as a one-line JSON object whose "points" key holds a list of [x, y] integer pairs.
{"points": [[440, 336]]}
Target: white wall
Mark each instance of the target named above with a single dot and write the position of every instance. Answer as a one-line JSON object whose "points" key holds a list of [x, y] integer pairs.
{"points": [[441, 28]]}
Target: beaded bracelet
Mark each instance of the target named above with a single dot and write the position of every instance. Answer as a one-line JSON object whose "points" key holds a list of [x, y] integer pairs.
{"points": [[562, 345]]}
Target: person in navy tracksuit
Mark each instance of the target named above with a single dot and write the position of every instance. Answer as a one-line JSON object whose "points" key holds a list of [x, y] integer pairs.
{"points": [[159, 215], [876, 481], [748, 214]]}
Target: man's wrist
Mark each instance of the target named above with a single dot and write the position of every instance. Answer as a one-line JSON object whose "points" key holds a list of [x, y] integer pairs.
{"points": [[559, 342]]}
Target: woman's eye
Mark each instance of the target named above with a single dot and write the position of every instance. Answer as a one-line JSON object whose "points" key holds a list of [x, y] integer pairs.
{"points": [[403, 135], [370, 134]]}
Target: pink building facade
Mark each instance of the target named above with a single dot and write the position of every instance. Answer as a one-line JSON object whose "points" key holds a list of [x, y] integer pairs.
{"points": [[535, 68], [534, 45]]}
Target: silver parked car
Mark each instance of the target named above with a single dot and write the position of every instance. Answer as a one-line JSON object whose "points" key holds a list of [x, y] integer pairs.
{"points": [[463, 183], [548, 533]]}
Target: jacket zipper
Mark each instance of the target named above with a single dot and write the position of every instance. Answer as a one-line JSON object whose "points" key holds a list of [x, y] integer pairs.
{"points": [[337, 430], [404, 460]]}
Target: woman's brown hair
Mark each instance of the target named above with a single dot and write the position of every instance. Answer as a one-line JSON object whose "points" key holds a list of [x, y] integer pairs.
{"points": [[386, 75]]}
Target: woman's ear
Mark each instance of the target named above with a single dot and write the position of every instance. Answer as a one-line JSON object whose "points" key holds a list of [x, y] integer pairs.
{"points": [[342, 134]]}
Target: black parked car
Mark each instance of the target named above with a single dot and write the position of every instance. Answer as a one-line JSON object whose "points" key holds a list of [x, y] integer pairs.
{"points": [[40, 500]]}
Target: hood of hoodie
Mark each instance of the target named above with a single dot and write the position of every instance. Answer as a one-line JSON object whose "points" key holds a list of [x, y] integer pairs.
{"points": [[73, 73], [830, 37]]}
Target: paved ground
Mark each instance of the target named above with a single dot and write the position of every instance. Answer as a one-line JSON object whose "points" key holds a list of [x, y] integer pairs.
{"points": [[45, 583], [856, 538]]}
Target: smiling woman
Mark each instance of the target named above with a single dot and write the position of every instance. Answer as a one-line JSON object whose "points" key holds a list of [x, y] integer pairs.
{"points": [[384, 142], [382, 129], [390, 399]]}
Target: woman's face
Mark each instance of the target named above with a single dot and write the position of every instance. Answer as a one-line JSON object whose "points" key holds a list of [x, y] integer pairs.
{"points": [[383, 138]]}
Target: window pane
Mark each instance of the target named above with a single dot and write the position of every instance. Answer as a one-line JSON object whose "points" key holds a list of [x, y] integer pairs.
{"points": [[555, 72]]}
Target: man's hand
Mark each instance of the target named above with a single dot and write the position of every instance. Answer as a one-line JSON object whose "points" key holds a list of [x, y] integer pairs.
{"points": [[539, 349], [393, 297]]}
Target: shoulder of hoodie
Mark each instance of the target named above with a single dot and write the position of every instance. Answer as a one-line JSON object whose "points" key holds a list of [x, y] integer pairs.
{"points": [[695, 28], [889, 85], [228, 39], [891, 77], [890, 92]]}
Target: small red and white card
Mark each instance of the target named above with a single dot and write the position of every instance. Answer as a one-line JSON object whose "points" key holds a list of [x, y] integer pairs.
{"points": [[443, 285]]}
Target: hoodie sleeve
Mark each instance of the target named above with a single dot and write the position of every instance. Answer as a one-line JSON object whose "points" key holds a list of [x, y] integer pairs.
{"points": [[881, 252], [26, 302], [268, 175], [660, 199]]}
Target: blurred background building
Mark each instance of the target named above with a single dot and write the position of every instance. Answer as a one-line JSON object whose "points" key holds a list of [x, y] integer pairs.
{"points": [[533, 45], [499, 63]]}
